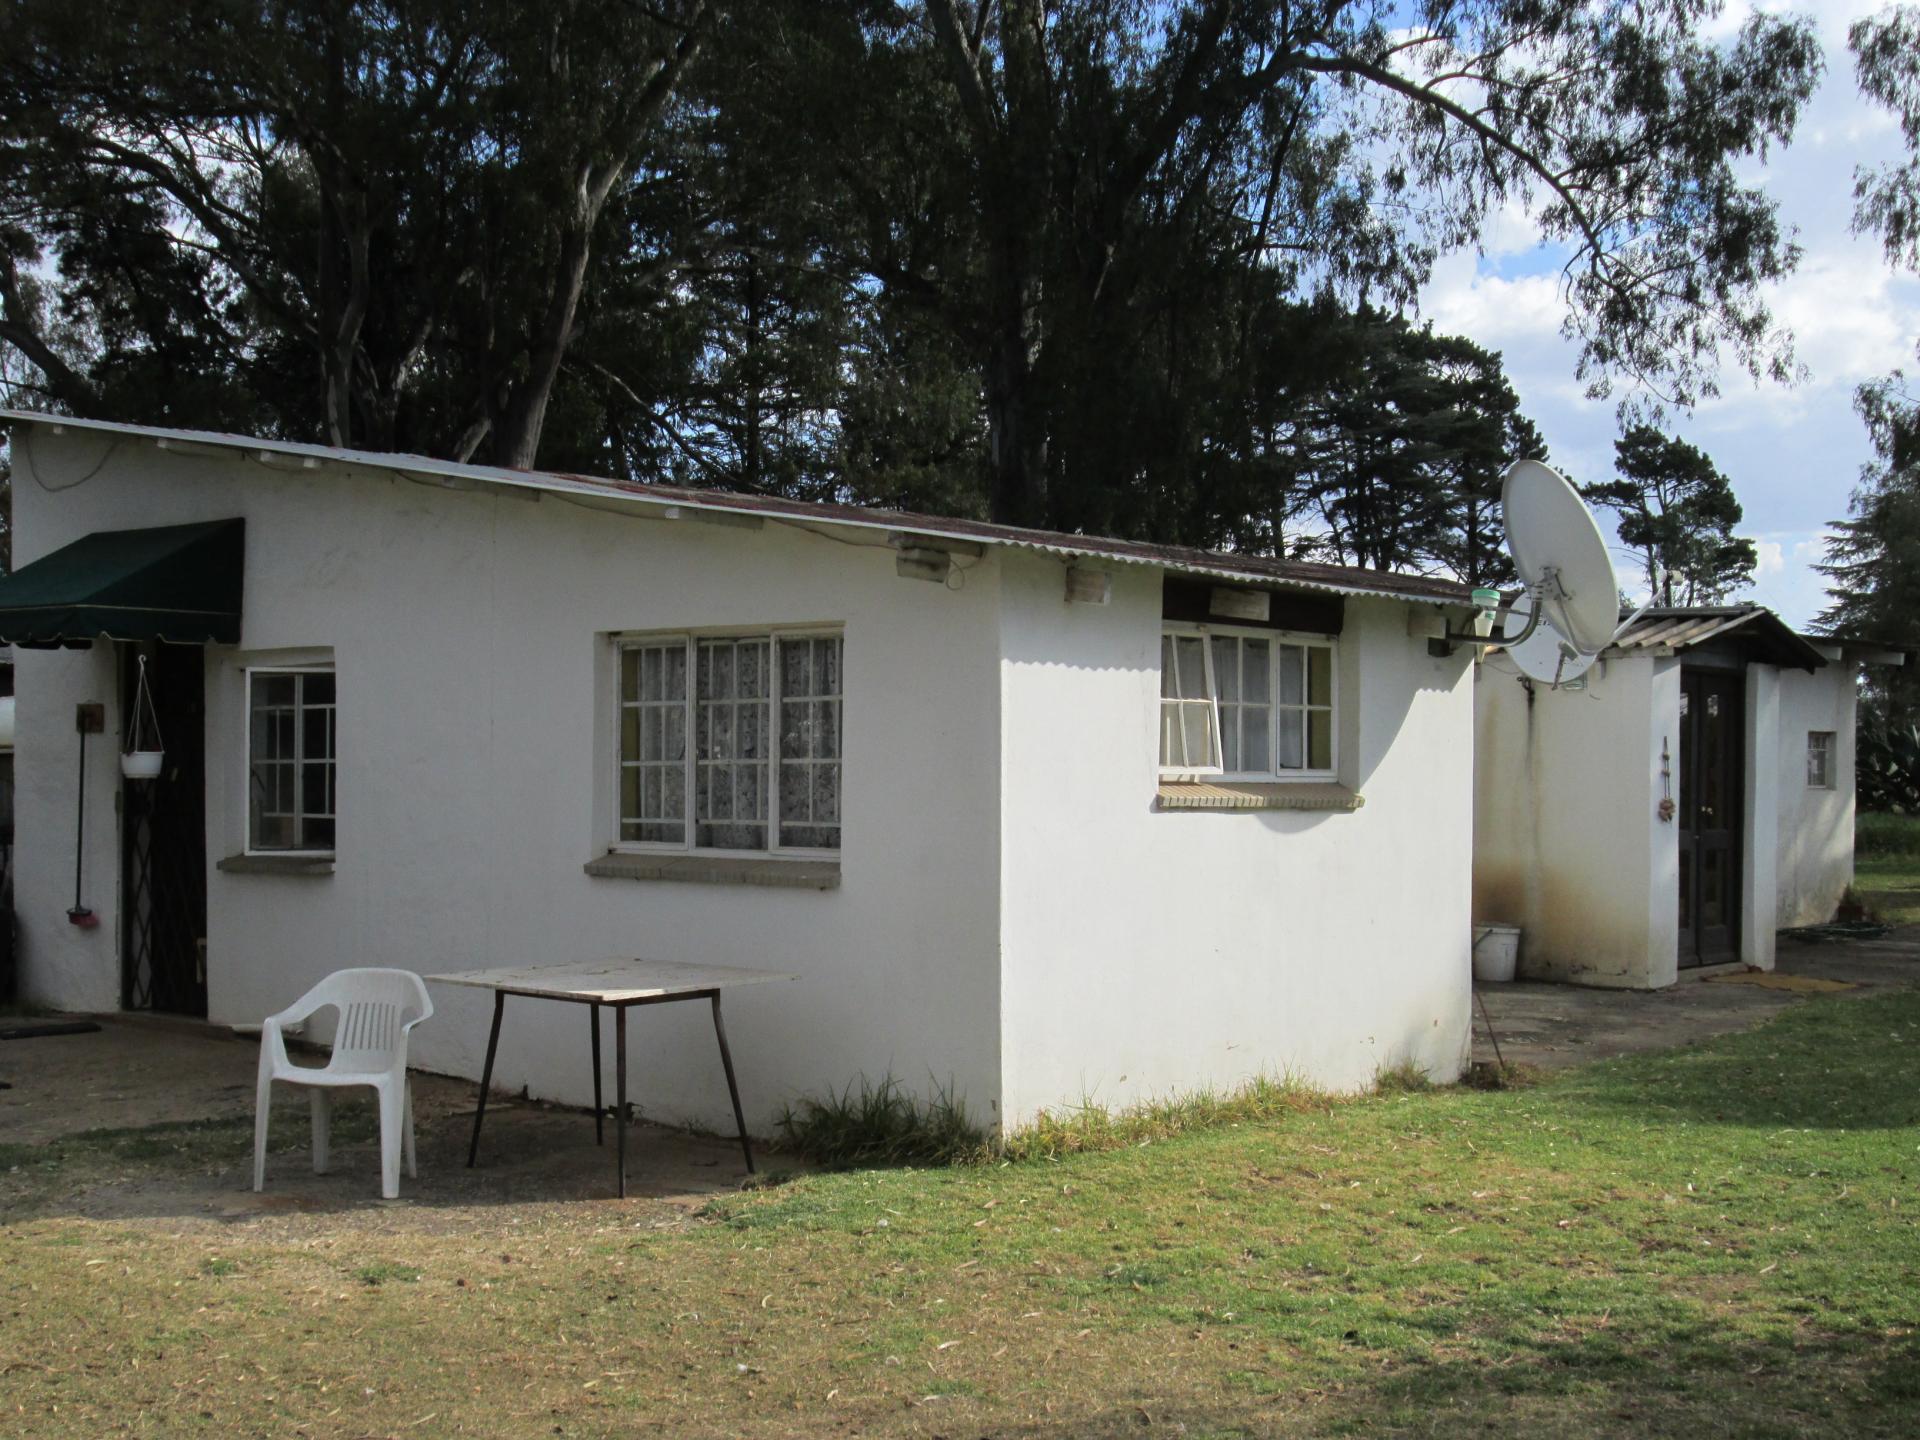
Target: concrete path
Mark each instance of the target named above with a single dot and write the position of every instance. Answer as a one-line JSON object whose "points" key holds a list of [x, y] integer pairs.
{"points": [[137, 1071], [1558, 1025]]}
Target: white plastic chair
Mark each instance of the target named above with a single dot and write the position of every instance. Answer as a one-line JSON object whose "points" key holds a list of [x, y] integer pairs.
{"points": [[369, 1048]]}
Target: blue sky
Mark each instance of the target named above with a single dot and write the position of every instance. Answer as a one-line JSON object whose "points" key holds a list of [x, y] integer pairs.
{"points": [[1793, 453]]}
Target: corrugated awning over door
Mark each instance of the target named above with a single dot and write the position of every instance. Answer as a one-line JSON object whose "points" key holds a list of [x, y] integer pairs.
{"points": [[178, 583]]}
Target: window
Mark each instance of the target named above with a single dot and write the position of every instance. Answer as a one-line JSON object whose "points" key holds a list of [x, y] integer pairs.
{"points": [[290, 760], [1820, 759], [730, 742], [1249, 705]]}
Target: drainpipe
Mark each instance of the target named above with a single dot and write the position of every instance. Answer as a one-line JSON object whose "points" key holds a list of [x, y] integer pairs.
{"points": [[89, 719]]}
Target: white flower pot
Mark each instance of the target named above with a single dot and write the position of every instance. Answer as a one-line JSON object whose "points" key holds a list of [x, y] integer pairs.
{"points": [[142, 764]]}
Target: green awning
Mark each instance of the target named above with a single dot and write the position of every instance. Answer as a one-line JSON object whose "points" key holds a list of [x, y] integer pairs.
{"points": [[179, 583]]}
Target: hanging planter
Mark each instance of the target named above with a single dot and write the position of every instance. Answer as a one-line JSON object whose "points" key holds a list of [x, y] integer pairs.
{"points": [[145, 754]]}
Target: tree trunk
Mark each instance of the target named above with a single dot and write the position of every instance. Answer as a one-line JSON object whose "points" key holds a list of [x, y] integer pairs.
{"points": [[1018, 182], [516, 439], [1016, 419]]}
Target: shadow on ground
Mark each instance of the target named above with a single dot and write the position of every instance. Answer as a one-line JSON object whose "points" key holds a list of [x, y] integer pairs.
{"points": [[146, 1120], [1696, 1385]]}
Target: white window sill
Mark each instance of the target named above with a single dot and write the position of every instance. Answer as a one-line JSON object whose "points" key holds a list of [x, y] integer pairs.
{"points": [[292, 863], [1257, 795], [775, 870]]}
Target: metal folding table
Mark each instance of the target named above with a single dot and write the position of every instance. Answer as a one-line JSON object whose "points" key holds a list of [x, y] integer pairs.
{"points": [[619, 985]]}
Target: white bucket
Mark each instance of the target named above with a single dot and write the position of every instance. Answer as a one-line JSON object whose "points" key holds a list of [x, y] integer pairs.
{"points": [[1496, 952]]}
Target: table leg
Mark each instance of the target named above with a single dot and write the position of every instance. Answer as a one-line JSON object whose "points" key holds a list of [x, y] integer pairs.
{"points": [[599, 1110], [733, 1089], [486, 1075], [620, 1091]]}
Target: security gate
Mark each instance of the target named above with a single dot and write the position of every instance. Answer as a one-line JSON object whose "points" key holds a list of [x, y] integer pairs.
{"points": [[163, 838]]}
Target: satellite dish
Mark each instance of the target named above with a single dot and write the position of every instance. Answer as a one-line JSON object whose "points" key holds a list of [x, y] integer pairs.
{"points": [[1570, 610], [1561, 556]]}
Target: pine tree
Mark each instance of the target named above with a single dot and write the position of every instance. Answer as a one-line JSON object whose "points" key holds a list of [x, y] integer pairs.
{"points": [[1678, 511], [1873, 559]]}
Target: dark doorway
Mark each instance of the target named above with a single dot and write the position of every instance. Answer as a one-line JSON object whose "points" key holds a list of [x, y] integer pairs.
{"points": [[163, 840], [1712, 789]]}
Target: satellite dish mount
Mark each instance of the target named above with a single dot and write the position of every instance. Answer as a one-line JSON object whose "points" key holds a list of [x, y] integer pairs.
{"points": [[1571, 601]]}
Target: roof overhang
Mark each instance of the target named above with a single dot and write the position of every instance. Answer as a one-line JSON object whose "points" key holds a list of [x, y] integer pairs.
{"points": [[723, 507], [1858, 652], [1753, 631]]}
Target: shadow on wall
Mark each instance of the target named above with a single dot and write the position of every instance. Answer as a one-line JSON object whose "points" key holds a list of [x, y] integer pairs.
{"points": [[1805, 877]]}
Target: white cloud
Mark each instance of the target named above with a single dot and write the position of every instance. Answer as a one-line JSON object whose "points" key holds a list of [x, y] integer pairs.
{"points": [[1791, 586], [1464, 298]]}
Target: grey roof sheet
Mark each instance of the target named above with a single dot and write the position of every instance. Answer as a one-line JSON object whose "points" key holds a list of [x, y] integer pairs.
{"points": [[1752, 627], [1334, 579]]}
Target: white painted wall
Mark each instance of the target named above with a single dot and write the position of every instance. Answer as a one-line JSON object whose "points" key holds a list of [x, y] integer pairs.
{"points": [[1815, 826], [61, 965], [1568, 843], [1151, 952], [1101, 947], [1760, 817], [466, 628]]}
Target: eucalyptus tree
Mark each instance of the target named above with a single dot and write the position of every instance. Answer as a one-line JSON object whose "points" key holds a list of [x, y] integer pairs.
{"points": [[377, 221], [1346, 142]]}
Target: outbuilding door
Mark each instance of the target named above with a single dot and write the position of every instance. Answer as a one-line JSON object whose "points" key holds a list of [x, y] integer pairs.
{"points": [[1712, 774], [163, 841]]}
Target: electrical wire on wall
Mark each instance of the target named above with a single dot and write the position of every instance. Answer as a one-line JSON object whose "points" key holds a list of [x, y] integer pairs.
{"points": [[23, 447]]}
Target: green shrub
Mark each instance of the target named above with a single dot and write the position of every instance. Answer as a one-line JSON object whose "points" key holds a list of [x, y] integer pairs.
{"points": [[884, 1124], [1877, 834], [1886, 767], [1406, 1078]]}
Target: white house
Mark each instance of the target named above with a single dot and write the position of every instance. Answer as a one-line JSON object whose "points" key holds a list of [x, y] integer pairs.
{"points": [[1039, 816], [1743, 725]]}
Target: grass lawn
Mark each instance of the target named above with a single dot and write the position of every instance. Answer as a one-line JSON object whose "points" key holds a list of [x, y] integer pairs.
{"points": [[1890, 885], [1717, 1242], [1886, 869]]}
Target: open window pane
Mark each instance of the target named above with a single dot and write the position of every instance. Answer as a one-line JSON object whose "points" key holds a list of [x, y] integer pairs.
{"points": [[1197, 724], [1190, 667]]}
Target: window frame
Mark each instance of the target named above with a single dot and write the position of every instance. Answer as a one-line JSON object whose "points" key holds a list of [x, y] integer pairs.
{"points": [[623, 640], [247, 673], [1829, 754], [1273, 774]]}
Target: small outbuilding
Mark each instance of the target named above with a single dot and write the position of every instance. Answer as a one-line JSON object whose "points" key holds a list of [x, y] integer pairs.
{"points": [[1690, 795], [1039, 817]]}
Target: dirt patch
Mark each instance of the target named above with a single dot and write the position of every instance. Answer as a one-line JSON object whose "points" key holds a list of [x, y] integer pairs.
{"points": [[153, 1121]]}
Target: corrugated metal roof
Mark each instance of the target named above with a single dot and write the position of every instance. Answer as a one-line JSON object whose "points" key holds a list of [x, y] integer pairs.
{"points": [[1333, 579], [1671, 629]]}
